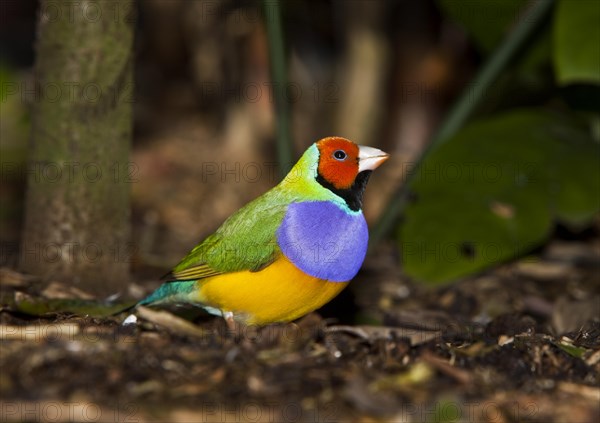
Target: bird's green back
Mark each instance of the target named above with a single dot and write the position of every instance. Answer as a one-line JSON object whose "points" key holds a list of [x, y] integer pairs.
{"points": [[247, 239]]}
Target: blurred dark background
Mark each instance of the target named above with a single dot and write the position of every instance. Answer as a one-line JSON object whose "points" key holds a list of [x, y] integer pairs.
{"points": [[382, 73], [378, 72]]}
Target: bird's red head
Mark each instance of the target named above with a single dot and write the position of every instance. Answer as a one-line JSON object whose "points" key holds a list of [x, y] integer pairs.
{"points": [[340, 161]]}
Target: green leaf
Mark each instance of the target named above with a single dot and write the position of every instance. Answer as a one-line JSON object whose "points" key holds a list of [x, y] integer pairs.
{"points": [[492, 192], [485, 21], [488, 23], [571, 349], [48, 306], [577, 42]]}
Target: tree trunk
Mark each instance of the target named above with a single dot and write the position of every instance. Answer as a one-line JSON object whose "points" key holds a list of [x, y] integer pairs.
{"points": [[77, 224]]}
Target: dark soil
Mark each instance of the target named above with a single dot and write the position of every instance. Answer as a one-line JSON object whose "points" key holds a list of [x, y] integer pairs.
{"points": [[519, 343]]}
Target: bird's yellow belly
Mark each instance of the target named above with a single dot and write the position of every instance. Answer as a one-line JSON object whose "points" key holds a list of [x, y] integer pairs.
{"points": [[279, 293]]}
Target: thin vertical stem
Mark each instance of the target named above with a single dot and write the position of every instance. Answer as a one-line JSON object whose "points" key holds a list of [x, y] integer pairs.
{"points": [[279, 77]]}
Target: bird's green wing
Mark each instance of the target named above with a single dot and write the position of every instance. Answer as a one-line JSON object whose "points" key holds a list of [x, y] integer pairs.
{"points": [[245, 241]]}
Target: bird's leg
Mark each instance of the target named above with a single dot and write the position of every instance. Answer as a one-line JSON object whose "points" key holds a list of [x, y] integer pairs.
{"points": [[228, 316], [236, 329]]}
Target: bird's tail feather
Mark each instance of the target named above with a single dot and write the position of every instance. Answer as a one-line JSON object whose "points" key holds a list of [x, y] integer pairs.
{"points": [[171, 292]]}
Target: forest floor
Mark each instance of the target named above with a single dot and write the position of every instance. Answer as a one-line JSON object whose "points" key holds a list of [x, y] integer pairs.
{"points": [[518, 343]]}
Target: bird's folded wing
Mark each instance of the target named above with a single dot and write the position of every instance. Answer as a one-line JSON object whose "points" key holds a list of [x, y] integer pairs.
{"points": [[200, 271], [245, 241]]}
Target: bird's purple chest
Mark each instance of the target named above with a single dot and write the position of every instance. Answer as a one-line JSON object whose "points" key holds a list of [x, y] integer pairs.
{"points": [[323, 240]]}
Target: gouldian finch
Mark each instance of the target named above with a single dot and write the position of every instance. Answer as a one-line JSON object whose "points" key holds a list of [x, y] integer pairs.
{"points": [[289, 251]]}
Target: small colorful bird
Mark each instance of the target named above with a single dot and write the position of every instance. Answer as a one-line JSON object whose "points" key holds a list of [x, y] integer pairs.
{"points": [[289, 251]]}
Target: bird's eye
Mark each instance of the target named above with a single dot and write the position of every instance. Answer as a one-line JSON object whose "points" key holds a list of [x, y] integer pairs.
{"points": [[339, 155]]}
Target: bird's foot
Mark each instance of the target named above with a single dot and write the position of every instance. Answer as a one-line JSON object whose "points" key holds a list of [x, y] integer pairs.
{"points": [[228, 316], [235, 329]]}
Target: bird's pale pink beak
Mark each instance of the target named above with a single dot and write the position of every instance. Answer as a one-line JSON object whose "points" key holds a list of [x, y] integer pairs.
{"points": [[370, 158]]}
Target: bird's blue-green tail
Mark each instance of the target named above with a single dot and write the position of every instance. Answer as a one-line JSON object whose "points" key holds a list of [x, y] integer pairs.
{"points": [[170, 292]]}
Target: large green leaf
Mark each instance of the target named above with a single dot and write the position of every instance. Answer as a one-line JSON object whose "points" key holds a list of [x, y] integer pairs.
{"points": [[488, 22], [493, 191], [577, 41], [485, 21]]}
